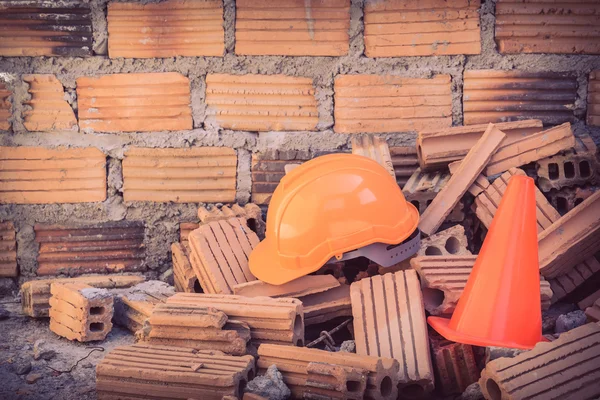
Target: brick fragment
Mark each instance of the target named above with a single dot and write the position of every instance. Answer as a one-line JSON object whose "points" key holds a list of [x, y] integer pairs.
{"points": [[326, 306], [488, 201], [36, 175], [293, 363], [134, 305], [389, 321], [219, 254], [401, 28], [567, 198], [250, 212], [184, 230], [575, 283], [293, 28], [102, 248], [323, 379], [375, 148], [261, 102], [454, 364], [377, 104], [49, 111], [184, 277], [8, 251], [134, 102], [439, 147], [564, 368], [542, 27], [500, 96], [46, 29], [297, 288], [468, 171], [593, 99], [451, 241], [267, 170], [577, 166], [36, 294], [80, 312], [571, 239], [593, 312], [5, 107], [147, 371], [168, 29], [270, 320], [404, 160]]}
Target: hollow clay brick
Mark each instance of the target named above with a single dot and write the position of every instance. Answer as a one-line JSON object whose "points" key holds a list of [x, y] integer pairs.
{"points": [[577, 166], [567, 198], [261, 102], [326, 306], [542, 27], [451, 241], [454, 364], [404, 160], [250, 212], [576, 280], [375, 148], [298, 288], [146, 371], [267, 170], [563, 369], [46, 28], [134, 102], [219, 254], [400, 28], [80, 312], [168, 29], [184, 277], [8, 251], [48, 109], [443, 279], [35, 295], [500, 96], [324, 379], [468, 171], [571, 239], [379, 104], [593, 311], [36, 175], [191, 175], [293, 28], [389, 321], [439, 147], [5, 107], [593, 99], [293, 363], [488, 201], [270, 320]]}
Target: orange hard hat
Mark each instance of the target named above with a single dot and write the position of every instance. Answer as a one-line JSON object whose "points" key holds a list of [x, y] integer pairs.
{"points": [[326, 207]]}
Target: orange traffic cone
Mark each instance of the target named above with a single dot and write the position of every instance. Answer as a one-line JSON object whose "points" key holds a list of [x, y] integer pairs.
{"points": [[501, 305]]}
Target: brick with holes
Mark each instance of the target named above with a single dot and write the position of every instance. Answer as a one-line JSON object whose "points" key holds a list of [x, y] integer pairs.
{"points": [[567, 198], [446, 242]]}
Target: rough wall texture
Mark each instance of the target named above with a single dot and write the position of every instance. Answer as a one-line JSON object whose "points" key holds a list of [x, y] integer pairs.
{"points": [[162, 219]]}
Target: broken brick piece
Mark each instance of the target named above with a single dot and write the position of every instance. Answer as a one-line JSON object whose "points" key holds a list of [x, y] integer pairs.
{"points": [[375, 148], [454, 364], [389, 321], [5, 107], [147, 371], [323, 379], [593, 99], [36, 294], [446, 242], [405, 163], [567, 198], [261, 102], [292, 28], [573, 238], [46, 28], [439, 147], [542, 27], [219, 254], [250, 212], [386, 103], [8, 251], [134, 102], [80, 312], [593, 311], [328, 305], [577, 280], [468, 171], [577, 166], [184, 277], [190, 175], [36, 175], [185, 228], [270, 320], [49, 111], [400, 28], [501, 96], [102, 248], [298, 288], [564, 368], [168, 29]]}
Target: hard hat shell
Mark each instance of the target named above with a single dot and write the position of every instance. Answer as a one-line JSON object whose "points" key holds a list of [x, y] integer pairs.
{"points": [[328, 206]]}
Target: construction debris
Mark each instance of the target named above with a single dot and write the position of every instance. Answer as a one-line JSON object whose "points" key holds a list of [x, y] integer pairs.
{"points": [[451, 241], [454, 364]]}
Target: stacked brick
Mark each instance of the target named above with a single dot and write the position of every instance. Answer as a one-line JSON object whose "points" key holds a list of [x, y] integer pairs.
{"points": [[8, 251]]}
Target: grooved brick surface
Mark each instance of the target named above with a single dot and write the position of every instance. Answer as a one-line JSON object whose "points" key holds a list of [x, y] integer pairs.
{"points": [[292, 27], [389, 321], [400, 28], [500, 96], [250, 212], [45, 28], [147, 371], [134, 102], [36, 175], [191, 175], [593, 99], [386, 103], [102, 248], [405, 163], [375, 148], [542, 26], [5, 107], [563, 369], [8, 250], [566, 284], [168, 29], [49, 110], [184, 277], [454, 364], [261, 102]]}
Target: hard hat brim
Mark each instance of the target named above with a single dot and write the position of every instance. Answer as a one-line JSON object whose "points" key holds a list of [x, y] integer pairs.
{"points": [[264, 265]]}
